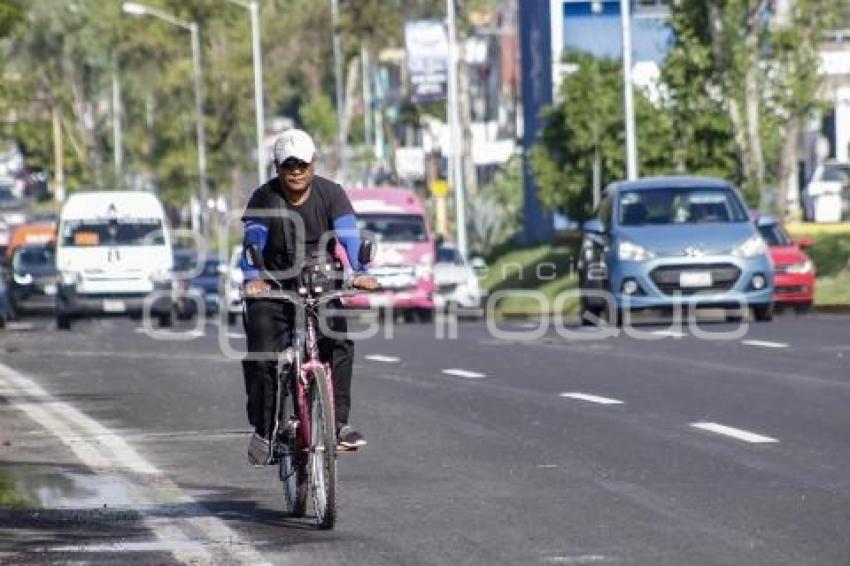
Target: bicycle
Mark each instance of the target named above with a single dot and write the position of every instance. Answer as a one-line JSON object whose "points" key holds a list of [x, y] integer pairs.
{"points": [[304, 429]]}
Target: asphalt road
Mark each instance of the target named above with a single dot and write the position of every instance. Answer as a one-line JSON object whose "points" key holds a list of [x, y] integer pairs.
{"points": [[659, 449]]}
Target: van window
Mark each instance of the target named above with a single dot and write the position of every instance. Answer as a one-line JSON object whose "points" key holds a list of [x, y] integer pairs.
{"points": [[394, 227], [121, 232]]}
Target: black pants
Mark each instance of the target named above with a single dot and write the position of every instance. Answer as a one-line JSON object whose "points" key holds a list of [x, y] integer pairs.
{"points": [[268, 326]]}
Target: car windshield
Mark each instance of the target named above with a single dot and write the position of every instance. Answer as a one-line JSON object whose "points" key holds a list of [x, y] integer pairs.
{"points": [[448, 255], [210, 268], [839, 173], [120, 232], [26, 259], [775, 235], [680, 206], [394, 227], [184, 262], [6, 193]]}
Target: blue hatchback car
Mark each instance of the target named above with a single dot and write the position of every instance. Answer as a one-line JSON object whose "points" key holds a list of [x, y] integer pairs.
{"points": [[666, 241]]}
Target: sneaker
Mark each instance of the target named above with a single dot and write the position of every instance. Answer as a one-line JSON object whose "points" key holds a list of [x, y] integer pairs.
{"points": [[259, 450], [349, 439]]}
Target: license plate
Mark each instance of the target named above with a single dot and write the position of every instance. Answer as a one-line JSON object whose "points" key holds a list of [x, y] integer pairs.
{"points": [[113, 306], [50, 289], [695, 279]]}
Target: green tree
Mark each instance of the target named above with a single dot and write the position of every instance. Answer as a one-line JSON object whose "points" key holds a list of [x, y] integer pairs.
{"points": [[495, 211], [756, 61], [11, 13], [585, 130]]}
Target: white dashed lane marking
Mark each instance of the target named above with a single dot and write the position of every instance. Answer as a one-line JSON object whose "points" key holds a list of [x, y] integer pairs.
{"points": [[736, 433], [669, 333], [592, 398], [464, 373], [383, 359], [765, 344]]}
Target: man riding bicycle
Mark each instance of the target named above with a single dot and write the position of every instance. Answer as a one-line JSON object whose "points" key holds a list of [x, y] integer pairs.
{"points": [[288, 218]]}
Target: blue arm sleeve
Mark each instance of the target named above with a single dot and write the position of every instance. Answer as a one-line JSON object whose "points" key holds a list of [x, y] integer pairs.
{"points": [[257, 234], [349, 236]]}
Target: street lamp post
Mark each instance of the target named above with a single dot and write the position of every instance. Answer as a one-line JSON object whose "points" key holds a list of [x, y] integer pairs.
{"points": [[135, 9], [628, 95], [340, 96], [455, 141], [254, 7]]}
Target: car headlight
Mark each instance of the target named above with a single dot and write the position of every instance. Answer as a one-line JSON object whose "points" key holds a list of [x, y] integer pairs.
{"points": [[24, 279], [629, 251], [751, 247], [802, 267]]}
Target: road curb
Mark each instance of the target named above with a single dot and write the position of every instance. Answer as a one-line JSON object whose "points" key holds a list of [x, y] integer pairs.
{"points": [[832, 309]]}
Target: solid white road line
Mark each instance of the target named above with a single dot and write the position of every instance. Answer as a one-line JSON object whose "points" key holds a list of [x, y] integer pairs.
{"points": [[765, 344], [737, 433], [592, 398], [464, 373], [384, 359], [130, 546], [100, 448]]}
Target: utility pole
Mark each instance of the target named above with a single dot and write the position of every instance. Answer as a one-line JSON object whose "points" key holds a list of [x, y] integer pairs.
{"points": [[259, 110], [117, 139], [455, 136], [58, 155], [199, 125], [628, 94], [340, 101]]}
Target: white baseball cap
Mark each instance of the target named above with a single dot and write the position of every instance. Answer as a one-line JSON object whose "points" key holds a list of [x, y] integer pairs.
{"points": [[294, 143]]}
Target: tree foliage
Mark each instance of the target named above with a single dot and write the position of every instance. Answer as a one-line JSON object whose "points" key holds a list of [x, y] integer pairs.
{"points": [[495, 211], [757, 62], [62, 60], [586, 124]]}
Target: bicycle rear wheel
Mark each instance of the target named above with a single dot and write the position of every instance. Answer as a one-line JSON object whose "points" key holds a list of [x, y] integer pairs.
{"points": [[322, 450], [293, 470]]}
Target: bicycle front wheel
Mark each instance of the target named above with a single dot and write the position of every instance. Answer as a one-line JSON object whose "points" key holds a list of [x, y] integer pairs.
{"points": [[293, 460], [322, 449]]}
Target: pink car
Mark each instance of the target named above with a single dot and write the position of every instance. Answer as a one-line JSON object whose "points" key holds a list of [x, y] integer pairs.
{"points": [[404, 258]]}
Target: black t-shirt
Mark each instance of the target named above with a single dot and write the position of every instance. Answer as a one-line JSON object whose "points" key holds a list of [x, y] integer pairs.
{"points": [[326, 203]]}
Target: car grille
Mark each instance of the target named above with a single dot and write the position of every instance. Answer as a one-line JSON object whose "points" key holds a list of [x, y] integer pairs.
{"points": [[723, 277]]}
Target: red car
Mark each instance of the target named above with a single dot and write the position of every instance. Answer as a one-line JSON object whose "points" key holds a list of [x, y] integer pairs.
{"points": [[794, 283]]}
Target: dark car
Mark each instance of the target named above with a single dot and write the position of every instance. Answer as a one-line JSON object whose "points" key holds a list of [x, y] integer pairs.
{"points": [[5, 308], [197, 282], [32, 279], [206, 282]]}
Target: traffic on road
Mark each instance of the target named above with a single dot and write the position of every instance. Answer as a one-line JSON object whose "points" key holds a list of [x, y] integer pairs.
{"points": [[372, 283]]}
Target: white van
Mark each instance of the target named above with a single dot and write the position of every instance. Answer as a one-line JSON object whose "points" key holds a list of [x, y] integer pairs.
{"points": [[113, 250]]}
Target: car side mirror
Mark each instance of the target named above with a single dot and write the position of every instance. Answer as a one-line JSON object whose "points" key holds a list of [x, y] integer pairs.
{"points": [[253, 256], [594, 226], [804, 243], [366, 252]]}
